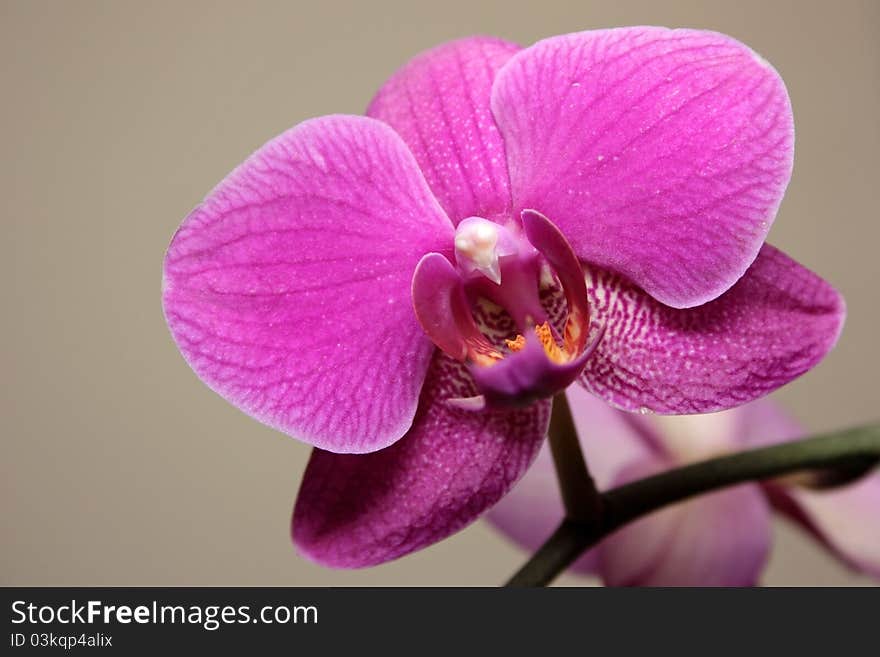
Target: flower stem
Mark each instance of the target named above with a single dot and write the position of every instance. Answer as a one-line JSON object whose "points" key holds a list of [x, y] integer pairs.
{"points": [[579, 494], [853, 449]]}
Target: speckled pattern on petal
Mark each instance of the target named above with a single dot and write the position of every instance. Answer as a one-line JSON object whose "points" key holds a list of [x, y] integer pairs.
{"points": [[362, 510], [776, 323]]}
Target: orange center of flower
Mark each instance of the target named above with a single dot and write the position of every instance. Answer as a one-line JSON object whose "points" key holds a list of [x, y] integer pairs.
{"points": [[545, 335]]}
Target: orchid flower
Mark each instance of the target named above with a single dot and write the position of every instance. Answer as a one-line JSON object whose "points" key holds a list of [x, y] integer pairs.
{"points": [[406, 291], [719, 539]]}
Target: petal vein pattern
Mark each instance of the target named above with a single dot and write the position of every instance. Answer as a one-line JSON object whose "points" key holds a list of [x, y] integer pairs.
{"points": [[439, 104], [661, 154], [288, 288]]}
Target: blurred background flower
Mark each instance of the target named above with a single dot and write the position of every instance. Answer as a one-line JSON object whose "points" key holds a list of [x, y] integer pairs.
{"points": [[720, 539]]}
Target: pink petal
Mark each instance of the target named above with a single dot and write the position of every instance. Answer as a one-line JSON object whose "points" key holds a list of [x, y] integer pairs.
{"points": [[689, 438], [443, 309], [439, 104], [846, 519], [718, 539], [533, 509], [776, 323], [661, 154], [765, 423], [288, 289], [361, 510]]}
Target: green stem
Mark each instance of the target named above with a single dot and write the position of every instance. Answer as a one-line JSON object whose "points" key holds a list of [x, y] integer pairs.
{"points": [[853, 449], [579, 494]]}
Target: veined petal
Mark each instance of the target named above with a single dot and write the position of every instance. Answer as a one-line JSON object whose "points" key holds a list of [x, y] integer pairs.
{"points": [[846, 519], [288, 289], [776, 323], [361, 510], [661, 154], [610, 441], [439, 104], [718, 539]]}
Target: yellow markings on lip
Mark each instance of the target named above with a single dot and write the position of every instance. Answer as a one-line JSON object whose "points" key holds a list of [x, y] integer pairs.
{"points": [[575, 336], [483, 353], [516, 344], [545, 335]]}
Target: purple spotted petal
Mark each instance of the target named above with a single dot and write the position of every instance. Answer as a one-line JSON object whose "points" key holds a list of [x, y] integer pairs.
{"points": [[846, 520], [776, 323], [661, 154], [361, 510], [717, 539], [533, 509], [439, 104], [288, 289]]}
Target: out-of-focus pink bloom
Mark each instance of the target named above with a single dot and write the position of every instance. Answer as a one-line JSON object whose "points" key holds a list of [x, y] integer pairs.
{"points": [[406, 290], [719, 539]]}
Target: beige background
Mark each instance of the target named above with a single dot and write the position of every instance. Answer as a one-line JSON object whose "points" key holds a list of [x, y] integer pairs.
{"points": [[118, 465]]}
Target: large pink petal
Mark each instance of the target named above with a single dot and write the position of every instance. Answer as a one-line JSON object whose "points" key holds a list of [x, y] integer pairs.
{"points": [[288, 288], [661, 154], [776, 323], [718, 539], [610, 441], [845, 519], [362, 510], [439, 104]]}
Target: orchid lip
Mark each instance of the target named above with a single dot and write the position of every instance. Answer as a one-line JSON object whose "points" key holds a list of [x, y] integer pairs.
{"points": [[505, 265], [529, 375]]}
